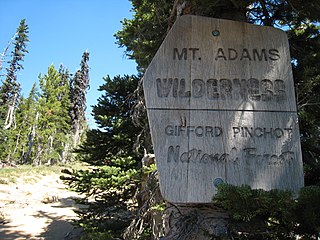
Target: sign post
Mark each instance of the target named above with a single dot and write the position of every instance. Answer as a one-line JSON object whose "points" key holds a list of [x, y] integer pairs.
{"points": [[221, 108]]}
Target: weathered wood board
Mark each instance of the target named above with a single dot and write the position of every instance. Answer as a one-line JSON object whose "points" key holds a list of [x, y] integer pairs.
{"points": [[221, 107]]}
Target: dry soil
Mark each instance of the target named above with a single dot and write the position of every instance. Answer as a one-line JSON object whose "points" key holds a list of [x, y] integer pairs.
{"points": [[42, 209]]}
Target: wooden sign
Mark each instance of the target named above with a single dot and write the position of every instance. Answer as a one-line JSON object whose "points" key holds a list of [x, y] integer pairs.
{"points": [[221, 107]]}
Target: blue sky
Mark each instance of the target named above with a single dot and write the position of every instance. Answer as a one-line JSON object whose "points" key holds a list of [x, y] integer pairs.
{"points": [[61, 30]]}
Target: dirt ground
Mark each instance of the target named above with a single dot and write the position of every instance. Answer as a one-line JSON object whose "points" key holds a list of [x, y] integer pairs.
{"points": [[39, 210]]}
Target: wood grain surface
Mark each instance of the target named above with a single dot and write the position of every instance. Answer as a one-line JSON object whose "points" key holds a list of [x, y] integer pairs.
{"points": [[221, 108]]}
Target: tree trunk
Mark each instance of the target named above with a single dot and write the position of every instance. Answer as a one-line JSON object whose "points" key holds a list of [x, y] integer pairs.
{"points": [[76, 136], [168, 221], [10, 113], [4, 54], [31, 140], [37, 161], [176, 221], [195, 222], [66, 152], [15, 148], [49, 150]]}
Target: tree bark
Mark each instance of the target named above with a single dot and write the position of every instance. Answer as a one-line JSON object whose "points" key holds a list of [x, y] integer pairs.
{"points": [[76, 136], [195, 222], [31, 140], [176, 221], [15, 148], [3, 55], [10, 113], [37, 161]]}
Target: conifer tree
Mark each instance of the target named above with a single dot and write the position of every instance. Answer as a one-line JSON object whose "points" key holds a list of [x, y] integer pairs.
{"points": [[19, 144], [54, 120], [10, 89], [10, 94], [116, 134], [78, 91], [113, 180], [28, 116], [142, 36]]}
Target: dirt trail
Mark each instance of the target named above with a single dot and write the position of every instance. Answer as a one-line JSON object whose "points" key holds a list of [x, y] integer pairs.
{"points": [[40, 210]]}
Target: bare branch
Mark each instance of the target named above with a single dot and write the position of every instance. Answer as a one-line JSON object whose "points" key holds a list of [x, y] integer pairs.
{"points": [[3, 55]]}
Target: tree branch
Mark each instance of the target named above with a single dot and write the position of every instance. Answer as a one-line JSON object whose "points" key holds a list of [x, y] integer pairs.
{"points": [[268, 21], [3, 55]]}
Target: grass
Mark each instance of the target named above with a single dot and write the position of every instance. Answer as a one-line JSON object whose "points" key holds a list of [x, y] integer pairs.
{"points": [[3, 181], [30, 174]]}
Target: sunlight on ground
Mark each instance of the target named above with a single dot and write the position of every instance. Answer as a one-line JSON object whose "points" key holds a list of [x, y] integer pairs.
{"points": [[36, 207]]}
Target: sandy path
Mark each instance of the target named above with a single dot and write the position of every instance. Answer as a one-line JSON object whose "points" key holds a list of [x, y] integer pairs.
{"points": [[41, 210]]}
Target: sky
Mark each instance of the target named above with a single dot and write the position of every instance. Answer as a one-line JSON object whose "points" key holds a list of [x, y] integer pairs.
{"points": [[60, 31]]}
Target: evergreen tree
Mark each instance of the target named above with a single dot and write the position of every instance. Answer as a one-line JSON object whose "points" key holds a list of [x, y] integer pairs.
{"points": [[28, 116], [10, 89], [39, 128], [21, 135], [114, 177], [116, 134], [301, 20], [78, 90], [142, 36], [10, 94], [54, 121]]}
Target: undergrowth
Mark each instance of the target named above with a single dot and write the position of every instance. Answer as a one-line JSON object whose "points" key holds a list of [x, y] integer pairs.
{"points": [[31, 174], [275, 214]]}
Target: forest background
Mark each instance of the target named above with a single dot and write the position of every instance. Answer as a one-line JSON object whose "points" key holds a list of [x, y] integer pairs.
{"points": [[49, 126]]}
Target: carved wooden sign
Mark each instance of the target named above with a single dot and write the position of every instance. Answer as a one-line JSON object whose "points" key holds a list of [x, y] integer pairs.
{"points": [[221, 107]]}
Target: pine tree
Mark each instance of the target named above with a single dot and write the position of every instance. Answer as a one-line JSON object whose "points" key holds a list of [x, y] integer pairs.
{"points": [[142, 35], [21, 136], [113, 178], [28, 117], [10, 95], [116, 134], [54, 121], [10, 89], [78, 91]]}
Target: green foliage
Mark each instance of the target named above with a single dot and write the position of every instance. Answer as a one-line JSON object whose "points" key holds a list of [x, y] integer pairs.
{"points": [[26, 120], [149, 169], [54, 120], [305, 48], [161, 207], [308, 210], [116, 135], [10, 87], [78, 90], [142, 35], [37, 129], [10, 92], [109, 187], [259, 214], [256, 214], [109, 191]]}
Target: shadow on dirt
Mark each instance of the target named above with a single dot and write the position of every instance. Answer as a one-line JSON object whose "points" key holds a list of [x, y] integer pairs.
{"points": [[7, 234], [58, 226]]}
